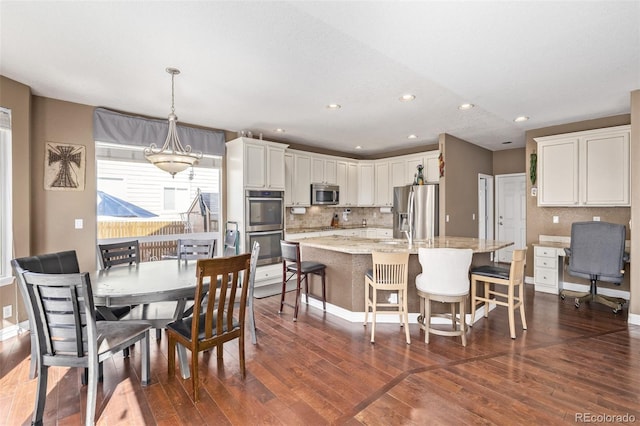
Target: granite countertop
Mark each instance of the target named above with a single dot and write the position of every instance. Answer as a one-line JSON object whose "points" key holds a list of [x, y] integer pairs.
{"points": [[354, 245]]}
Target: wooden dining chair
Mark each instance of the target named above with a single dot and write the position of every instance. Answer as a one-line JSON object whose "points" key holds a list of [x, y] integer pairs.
{"points": [[509, 279], [218, 321], [68, 334], [389, 274]]}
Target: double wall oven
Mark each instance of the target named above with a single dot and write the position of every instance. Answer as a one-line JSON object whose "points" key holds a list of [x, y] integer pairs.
{"points": [[264, 223]]}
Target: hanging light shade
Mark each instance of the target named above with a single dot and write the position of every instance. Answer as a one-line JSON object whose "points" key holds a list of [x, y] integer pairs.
{"points": [[172, 157]]}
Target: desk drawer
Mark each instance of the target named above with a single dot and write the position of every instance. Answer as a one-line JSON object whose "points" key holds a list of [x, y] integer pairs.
{"points": [[546, 276], [546, 262], [545, 252]]}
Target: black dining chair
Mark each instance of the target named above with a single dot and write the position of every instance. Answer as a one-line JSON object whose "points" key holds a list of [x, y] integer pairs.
{"points": [[64, 262], [68, 335]]}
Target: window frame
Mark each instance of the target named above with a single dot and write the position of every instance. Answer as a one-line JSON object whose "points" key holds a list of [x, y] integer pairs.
{"points": [[6, 199]]}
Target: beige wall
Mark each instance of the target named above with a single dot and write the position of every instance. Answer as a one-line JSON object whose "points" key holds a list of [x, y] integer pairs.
{"points": [[459, 186], [17, 97], [540, 219], [509, 161], [634, 303], [54, 212]]}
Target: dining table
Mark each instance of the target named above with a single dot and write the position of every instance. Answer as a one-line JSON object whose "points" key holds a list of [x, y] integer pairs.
{"points": [[145, 283]]}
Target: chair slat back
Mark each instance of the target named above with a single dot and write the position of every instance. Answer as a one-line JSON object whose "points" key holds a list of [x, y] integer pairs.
{"points": [[220, 317], [390, 270], [190, 249], [127, 252], [516, 272], [64, 314]]}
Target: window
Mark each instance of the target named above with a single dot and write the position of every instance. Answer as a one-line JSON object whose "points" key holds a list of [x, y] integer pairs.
{"points": [[6, 223], [153, 207]]}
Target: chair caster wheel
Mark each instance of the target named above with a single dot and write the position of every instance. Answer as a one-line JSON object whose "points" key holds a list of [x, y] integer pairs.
{"points": [[420, 319], [577, 304], [562, 296]]}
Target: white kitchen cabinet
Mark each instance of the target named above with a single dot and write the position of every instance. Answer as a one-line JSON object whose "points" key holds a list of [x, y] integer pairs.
{"points": [[384, 233], [262, 162], [347, 180], [546, 277], [288, 179], [432, 166], [383, 188], [589, 168], [301, 179], [324, 170], [366, 184]]}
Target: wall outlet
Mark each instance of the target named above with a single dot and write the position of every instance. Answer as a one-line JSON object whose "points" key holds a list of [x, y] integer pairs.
{"points": [[596, 218], [393, 298], [7, 311], [446, 218], [79, 223], [556, 219]]}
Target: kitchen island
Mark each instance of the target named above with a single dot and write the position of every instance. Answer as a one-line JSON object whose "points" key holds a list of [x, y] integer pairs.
{"points": [[348, 258]]}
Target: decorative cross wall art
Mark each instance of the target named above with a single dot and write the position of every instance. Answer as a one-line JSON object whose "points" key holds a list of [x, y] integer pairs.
{"points": [[64, 167]]}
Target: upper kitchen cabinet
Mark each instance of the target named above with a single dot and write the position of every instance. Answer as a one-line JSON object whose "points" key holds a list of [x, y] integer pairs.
{"points": [[402, 170], [589, 168], [347, 180], [324, 170], [298, 177], [366, 184], [384, 190], [260, 164]]}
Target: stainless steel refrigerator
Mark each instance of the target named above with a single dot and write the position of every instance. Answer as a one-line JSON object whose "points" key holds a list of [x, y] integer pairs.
{"points": [[415, 207]]}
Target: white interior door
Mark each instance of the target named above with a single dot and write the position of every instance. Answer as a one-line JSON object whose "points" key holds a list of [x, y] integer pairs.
{"points": [[511, 212], [485, 207]]}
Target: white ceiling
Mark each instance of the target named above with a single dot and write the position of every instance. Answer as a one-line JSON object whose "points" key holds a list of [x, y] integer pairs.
{"points": [[262, 65]]}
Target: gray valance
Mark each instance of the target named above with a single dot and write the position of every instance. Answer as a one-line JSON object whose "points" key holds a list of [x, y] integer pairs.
{"points": [[114, 127]]}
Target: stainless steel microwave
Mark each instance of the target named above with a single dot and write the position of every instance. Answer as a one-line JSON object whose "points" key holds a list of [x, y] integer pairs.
{"points": [[323, 194]]}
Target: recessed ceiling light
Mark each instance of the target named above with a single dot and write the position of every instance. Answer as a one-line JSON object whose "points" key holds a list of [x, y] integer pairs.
{"points": [[407, 97], [279, 130], [334, 106], [521, 119], [412, 137], [466, 106], [358, 147]]}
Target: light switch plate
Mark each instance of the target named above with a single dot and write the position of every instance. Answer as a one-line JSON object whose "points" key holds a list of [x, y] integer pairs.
{"points": [[556, 219], [79, 224], [7, 311]]}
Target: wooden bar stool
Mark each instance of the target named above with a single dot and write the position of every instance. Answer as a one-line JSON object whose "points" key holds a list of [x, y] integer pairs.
{"points": [[292, 266], [511, 278], [390, 273]]}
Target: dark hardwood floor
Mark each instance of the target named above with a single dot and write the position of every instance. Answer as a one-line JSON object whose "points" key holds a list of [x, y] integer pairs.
{"points": [[569, 365]]}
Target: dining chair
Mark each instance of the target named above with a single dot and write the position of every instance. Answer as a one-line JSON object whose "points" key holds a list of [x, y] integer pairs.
{"points": [[64, 262], [68, 334], [293, 266], [126, 252], [509, 279], [445, 279], [191, 249], [255, 253], [218, 321], [390, 274], [158, 314]]}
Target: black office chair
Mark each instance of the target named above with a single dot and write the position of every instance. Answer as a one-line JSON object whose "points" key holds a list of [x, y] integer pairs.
{"points": [[597, 254]]}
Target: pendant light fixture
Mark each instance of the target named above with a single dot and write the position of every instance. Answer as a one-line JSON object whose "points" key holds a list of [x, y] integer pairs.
{"points": [[172, 157]]}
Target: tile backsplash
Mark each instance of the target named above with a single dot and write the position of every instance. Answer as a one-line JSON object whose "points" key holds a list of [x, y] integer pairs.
{"points": [[320, 216]]}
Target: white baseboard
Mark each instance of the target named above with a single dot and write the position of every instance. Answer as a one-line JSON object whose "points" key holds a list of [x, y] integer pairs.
{"points": [[14, 330], [633, 319], [383, 318]]}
